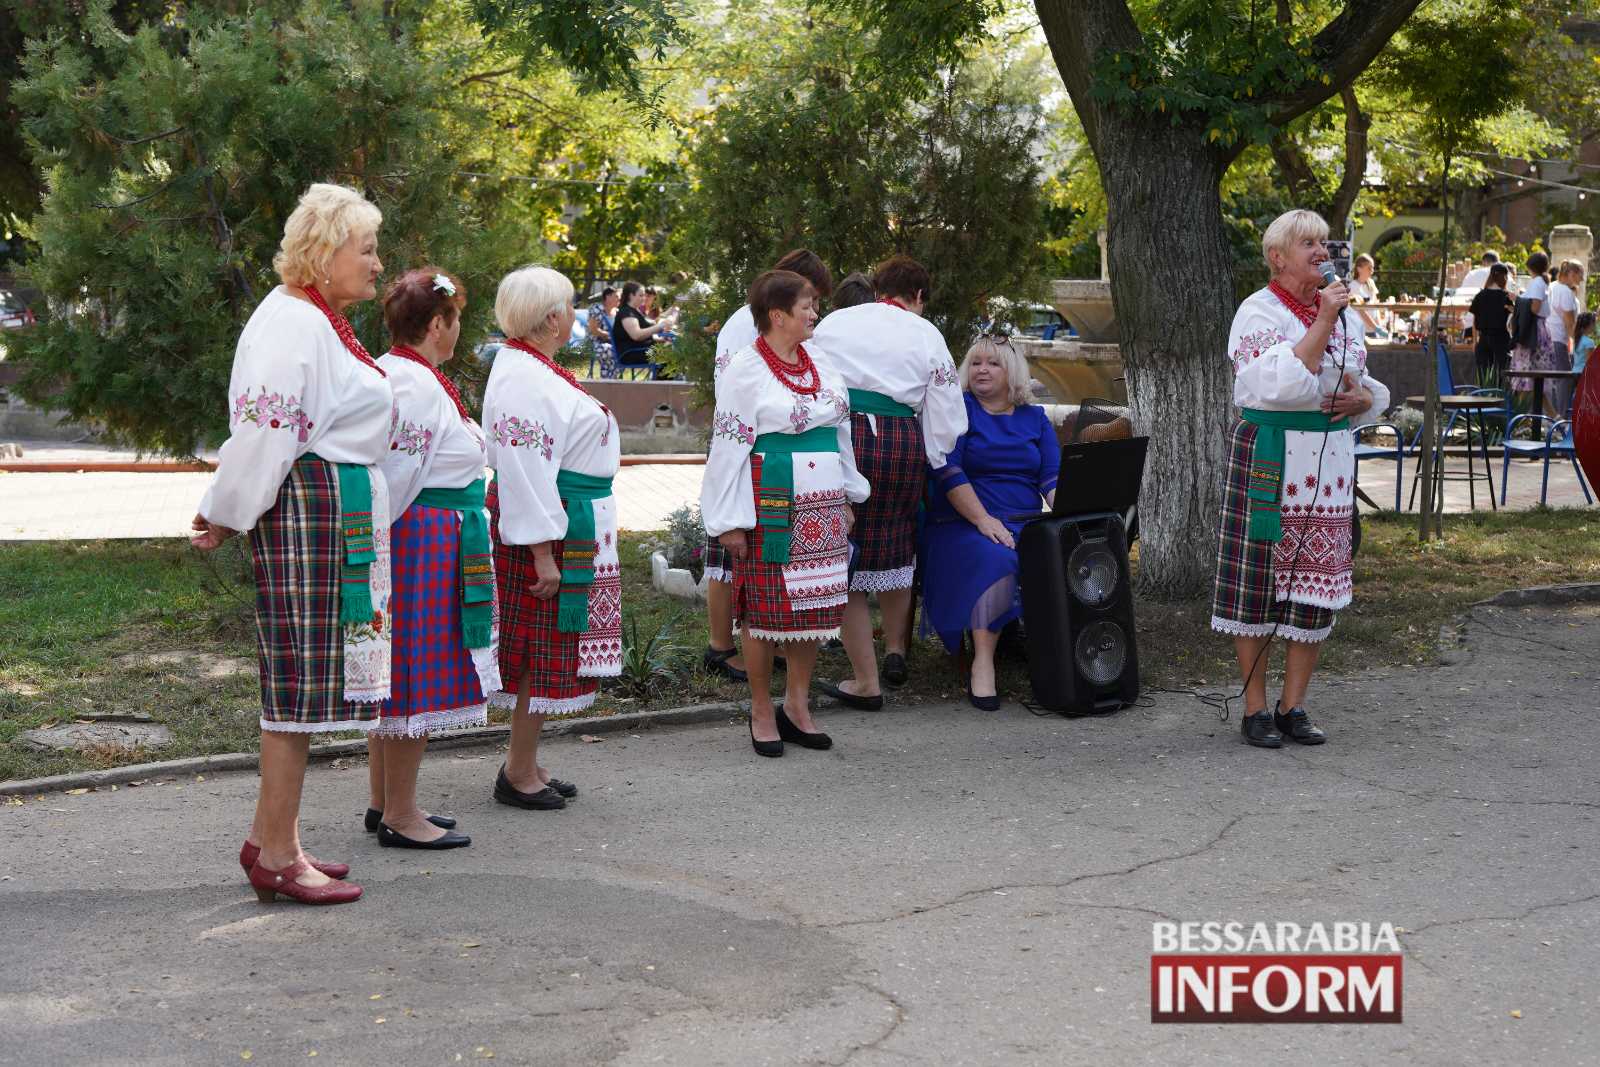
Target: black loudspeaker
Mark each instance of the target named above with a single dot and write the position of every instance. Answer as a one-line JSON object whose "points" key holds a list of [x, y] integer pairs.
{"points": [[1077, 608]]}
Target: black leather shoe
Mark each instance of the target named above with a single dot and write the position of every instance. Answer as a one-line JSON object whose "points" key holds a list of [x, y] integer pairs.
{"points": [[788, 731], [895, 672], [374, 817], [983, 703], [1297, 726], [1259, 731], [566, 789], [715, 661], [546, 799], [765, 748], [450, 839], [850, 700]]}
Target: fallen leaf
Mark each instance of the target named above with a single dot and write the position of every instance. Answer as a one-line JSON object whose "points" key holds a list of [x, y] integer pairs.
{"points": [[473, 944], [376, 996], [76, 792], [247, 1055], [380, 1020], [1516, 1015], [588, 739]]}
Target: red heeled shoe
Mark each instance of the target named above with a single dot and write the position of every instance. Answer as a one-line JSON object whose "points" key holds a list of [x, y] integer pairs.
{"points": [[269, 884], [250, 853]]}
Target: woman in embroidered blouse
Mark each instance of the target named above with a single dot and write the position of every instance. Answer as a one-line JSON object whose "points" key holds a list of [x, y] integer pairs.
{"points": [[555, 450], [443, 603], [1283, 566], [777, 490], [994, 478], [310, 421]]}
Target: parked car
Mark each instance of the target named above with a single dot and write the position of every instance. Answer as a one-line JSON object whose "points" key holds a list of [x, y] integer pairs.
{"points": [[14, 314], [1043, 322]]}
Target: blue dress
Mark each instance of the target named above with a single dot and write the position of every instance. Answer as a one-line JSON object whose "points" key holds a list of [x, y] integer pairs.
{"points": [[1011, 462]]}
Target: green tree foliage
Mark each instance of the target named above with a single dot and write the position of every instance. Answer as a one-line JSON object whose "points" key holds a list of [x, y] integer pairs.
{"points": [[599, 40], [173, 155]]}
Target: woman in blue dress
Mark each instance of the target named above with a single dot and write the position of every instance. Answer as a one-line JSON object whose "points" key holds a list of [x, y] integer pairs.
{"points": [[996, 477]]}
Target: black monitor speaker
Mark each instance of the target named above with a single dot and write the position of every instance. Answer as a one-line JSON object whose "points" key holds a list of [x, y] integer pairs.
{"points": [[1077, 608]]}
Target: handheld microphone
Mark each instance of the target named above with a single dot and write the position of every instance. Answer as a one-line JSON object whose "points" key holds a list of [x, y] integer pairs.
{"points": [[1329, 275]]}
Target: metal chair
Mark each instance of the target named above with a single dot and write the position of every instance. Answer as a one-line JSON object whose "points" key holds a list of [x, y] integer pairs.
{"points": [[1548, 449], [1448, 387], [1396, 452]]}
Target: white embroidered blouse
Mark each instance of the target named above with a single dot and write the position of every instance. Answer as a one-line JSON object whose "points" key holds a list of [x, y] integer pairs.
{"points": [[738, 332], [433, 446], [902, 355], [1269, 376], [538, 425], [750, 402], [294, 389]]}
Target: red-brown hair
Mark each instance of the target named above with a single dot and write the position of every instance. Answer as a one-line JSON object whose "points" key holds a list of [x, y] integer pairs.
{"points": [[775, 290], [902, 276], [412, 300], [809, 266]]}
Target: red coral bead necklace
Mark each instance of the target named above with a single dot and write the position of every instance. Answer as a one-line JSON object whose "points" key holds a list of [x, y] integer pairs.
{"points": [[792, 376], [407, 352], [342, 327]]}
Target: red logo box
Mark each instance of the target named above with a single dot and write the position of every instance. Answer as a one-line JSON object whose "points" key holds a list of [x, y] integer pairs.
{"points": [[1276, 988]]}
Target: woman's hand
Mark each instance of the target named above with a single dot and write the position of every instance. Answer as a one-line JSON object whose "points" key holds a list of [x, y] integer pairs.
{"points": [[996, 531], [1334, 300], [1352, 399], [849, 518], [544, 565], [208, 535], [735, 542]]}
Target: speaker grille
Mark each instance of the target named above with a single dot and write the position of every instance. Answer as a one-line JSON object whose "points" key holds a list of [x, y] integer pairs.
{"points": [[1092, 573], [1101, 652]]}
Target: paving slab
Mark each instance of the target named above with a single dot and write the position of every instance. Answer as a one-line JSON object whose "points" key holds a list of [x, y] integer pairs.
{"points": [[944, 887]]}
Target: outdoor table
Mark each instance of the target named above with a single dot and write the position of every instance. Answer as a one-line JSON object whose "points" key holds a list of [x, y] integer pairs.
{"points": [[1467, 407], [1539, 377]]}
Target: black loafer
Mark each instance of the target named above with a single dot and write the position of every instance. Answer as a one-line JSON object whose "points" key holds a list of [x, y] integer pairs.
{"points": [[546, 799], [983, 703], [788, 731], [895, 672], [850, 700], [1258, 730], [449, 839], [715, 661], [1297, 726], [374, 817], [772, 749], [566, 789]]}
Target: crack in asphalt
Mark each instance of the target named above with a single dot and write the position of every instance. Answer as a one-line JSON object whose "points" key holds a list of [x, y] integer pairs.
{"points": [[970, 894], [1429, 797], [1548, 906], [876, 1044]]}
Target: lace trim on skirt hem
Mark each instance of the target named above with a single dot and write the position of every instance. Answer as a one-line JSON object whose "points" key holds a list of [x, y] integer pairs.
{"points": [[334, 726], [781, 636], [421, 725], [883, 581], [552, 707]]}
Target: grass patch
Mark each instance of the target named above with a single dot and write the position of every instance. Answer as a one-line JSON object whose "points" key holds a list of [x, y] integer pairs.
{"points": [[80, 620]]}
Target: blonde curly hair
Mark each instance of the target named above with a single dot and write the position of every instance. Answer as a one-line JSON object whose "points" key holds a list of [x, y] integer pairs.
{"points": [[325, 218]]}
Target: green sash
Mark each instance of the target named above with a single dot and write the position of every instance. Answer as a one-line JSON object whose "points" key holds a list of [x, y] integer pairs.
{"points": [[775, 494], [355, 531], [1266, 463], [578, 494], [477, 571], [867, 402]]}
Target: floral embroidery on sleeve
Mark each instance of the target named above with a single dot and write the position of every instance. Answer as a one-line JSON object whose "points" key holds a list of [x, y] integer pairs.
{"points": [[1251, 345], [723, 359], [728, 424], [840, 402], [271, 411], [513, 432], [412, 439], [944, 375]]}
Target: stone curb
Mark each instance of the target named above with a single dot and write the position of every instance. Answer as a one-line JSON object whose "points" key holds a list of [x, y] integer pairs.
{"points": [[1575, 593], [470, 738]]}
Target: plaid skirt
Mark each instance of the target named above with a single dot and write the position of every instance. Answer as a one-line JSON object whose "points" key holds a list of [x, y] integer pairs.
{"points": [[434, 685], [530, 645], [1244, 599], [885, 534], [297, 549], [716, 560], [761, 601]]}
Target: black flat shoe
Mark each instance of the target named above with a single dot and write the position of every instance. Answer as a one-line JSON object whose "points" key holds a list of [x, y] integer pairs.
{"points": [[566, 789], [765, 748], [1297, 726], [546, 799], [788, 731], [1258, 730], [779, 663], [850, 700], [715, 661], [895, 672], [374, 817], [389, 839], [983, 703]]}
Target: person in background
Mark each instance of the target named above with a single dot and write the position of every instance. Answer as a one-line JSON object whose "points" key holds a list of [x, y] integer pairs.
{"points": [[598, 323], [906, 413], [1491, 317], [1532, 348], [739, 332], [1364, 290], [309, 424], [1584, 330], [443, 606], [1563, 316], [632, 331], [855, 289], [1001, 468], [1478, 276]]}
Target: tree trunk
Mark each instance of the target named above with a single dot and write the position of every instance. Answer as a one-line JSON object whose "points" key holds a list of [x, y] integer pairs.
{"points": [[1172, 285]]}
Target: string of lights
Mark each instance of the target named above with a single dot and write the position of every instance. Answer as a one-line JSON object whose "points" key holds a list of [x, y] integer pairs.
{"points": [[534, 181]]}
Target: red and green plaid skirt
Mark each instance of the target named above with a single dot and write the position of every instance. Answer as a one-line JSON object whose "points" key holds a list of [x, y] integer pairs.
{"points": [[1244, 599], [885, 534], [761, 599], [298, 550], [530, 645]]}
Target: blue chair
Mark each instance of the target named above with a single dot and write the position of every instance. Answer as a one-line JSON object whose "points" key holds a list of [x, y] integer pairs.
{"points": [[1048, 333], [1396, 452], [1547, 449], [1448, 387]]}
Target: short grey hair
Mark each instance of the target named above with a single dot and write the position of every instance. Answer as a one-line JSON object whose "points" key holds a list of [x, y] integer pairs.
{"points": [[1289, 228], [1018, 380], [528, 296]]}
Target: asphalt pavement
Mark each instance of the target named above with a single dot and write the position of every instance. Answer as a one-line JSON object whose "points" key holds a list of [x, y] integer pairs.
{"points": [[944, 887]]}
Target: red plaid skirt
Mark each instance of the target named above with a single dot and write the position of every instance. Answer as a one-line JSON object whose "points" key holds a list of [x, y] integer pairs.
{"points": [[530, 644], [761, 599], [885, 534]]}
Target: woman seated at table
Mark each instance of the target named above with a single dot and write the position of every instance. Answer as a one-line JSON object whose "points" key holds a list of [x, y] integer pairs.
{"points": [[1364, 290], [994, 480], [633, 332]]}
